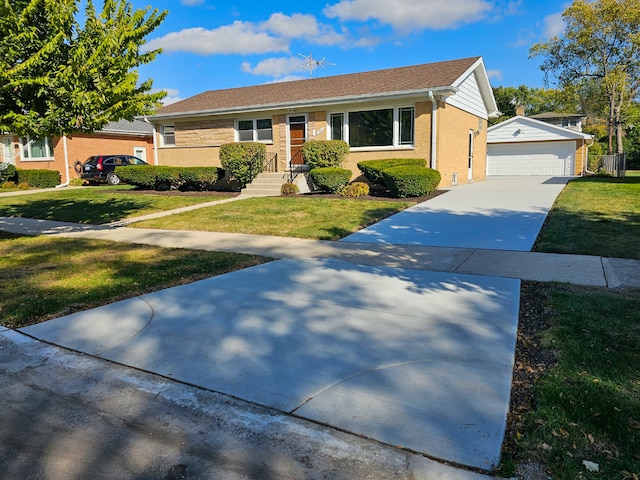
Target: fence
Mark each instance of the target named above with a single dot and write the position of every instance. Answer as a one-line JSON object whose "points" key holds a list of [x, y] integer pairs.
{"points": [[612, 164]]}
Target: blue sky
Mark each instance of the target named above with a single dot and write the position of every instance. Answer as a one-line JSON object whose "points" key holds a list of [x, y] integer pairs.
{"points": [[212, 45]]}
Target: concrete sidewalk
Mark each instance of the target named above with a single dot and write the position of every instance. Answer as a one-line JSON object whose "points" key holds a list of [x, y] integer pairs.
{"points": [[532, 266]]}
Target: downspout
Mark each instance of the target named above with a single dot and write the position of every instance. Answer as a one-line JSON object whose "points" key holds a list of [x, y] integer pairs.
{"points": [[155, 144], [585, 166], [66, 162], [434, 124]]}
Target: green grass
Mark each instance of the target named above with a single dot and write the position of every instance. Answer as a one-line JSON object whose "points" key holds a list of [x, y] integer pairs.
{"points": [[317, 218], [589, 402], [92, 205], [595, 216], [44, 277]]}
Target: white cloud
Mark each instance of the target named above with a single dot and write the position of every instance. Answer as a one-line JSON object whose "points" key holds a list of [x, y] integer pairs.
{"points": [[246, 38], [288, 78], [408, 15], [494, 74], [173, 95], [191, 3], [273, 67], [239, 37], [553, 25]]}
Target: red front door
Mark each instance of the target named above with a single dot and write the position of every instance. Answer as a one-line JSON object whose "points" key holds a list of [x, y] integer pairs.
{"points": [[297, 137]]}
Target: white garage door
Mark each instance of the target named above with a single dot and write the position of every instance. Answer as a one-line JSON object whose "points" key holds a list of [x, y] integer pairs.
{"points": [[543, 158]]}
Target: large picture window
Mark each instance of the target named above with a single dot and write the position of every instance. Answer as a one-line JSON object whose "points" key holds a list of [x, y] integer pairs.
{"points": [[37, 149], [260, 130], [388, 127], [371, 128]]}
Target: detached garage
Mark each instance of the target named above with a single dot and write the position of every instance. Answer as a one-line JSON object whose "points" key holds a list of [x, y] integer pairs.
{"points": [[525, 146]]}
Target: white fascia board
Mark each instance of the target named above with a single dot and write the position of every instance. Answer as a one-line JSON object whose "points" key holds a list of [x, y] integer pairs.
{"points": [[439, 92]]}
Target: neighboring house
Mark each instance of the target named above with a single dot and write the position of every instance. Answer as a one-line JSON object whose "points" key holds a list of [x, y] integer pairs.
{"points": [[572, 121], [435, 111], [527, 146], [48, 153]]}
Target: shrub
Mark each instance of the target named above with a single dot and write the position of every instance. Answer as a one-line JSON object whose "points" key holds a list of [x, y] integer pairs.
{"points": [[141, 176], [200, 178], [8, 173], [76, 182], [24, 186], [289, 188], [409, 181], [325, 153], [355, 189], [8, 184], [244, 160], [373, 169], [39, 178], [170, 178], [331, 179]]}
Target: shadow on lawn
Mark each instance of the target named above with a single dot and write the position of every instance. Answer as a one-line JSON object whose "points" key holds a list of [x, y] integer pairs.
{"points": [[95, 211]]}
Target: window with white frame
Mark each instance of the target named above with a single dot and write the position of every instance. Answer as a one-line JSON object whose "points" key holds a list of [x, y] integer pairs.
{"points": [[37, 148], [257, 130], [168, 135], [388, 127]]}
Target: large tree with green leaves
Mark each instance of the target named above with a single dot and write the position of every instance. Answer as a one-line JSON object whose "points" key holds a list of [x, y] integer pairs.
{"points": [[601, 42], [58, 77]]}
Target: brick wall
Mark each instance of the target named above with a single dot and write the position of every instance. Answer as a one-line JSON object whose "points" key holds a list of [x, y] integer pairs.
{"points": [[452, 148]]}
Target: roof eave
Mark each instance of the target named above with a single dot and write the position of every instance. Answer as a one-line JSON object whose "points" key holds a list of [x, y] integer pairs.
{"points": [[437, 91]]}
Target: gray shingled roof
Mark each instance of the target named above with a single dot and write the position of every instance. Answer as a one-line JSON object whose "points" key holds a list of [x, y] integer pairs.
{"points": [[136, 127], [416, 78]]}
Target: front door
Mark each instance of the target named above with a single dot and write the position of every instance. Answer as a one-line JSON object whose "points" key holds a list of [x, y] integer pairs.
{"points": [[297, 137], [6, 152]]}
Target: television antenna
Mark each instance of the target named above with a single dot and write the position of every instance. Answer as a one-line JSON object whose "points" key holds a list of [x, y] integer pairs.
{"points": [[311, 63]]}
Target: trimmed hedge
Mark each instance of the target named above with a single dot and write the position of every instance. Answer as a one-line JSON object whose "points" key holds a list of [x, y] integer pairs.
{"points": [[410, 181], [154, 177], [325, 153], [330, 179], [373, 169], [244, 160], [39, 178]]}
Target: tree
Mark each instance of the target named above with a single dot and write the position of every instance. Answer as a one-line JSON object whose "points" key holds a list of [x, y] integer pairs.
{"points": [[57, 77], [601, 42]]}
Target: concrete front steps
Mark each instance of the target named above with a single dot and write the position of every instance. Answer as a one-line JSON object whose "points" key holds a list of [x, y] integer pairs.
{"points": [[266, 184]]}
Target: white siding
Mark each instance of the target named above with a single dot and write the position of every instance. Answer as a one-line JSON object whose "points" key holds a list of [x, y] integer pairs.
{"points": [[522, 129], [469, 98]]}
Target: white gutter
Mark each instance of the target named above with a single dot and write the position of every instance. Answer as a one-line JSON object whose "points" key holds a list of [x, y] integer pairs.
{"points": [[434, 125], [66, 162]]}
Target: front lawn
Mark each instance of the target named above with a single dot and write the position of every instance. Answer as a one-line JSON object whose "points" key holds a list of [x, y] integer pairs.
{"points": [[595, 216], [296, 216], [93, 205], [44, 277], [585, 385]]}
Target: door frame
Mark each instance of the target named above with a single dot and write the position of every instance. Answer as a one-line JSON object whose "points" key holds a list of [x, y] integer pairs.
{"points": [[472, 135], [306, 137]]}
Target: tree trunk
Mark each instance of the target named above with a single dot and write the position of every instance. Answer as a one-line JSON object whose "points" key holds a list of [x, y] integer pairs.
{"points": [[611, 118], [618, 119]]}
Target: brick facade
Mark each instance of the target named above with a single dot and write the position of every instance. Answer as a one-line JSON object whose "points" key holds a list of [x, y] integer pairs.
{"points": [[197, 142], [80, 147]]}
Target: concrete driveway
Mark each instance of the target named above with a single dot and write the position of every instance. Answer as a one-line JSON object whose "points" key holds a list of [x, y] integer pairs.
{"points": [[410, 358], [501, 213]]}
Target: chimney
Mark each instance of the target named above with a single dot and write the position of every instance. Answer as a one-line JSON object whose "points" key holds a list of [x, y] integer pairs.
{"points": [[520, 110]]}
